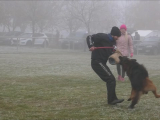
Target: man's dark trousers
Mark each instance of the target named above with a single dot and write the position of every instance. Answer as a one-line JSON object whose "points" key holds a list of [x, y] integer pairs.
{"points": [[102, 70]]}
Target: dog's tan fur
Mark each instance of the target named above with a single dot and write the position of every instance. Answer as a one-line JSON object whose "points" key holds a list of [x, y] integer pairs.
{"points": [[140, 82], [147, 86]]}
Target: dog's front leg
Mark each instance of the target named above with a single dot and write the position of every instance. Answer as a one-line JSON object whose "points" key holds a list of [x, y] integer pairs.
{"points": [[135, 99], [132, 95]]}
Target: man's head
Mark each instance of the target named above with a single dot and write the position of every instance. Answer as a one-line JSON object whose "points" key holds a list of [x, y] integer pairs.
{"points": [[115, 32]]}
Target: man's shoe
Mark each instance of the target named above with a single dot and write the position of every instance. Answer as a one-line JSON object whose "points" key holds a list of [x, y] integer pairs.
{"points": [[112, 103], [116, 101]]}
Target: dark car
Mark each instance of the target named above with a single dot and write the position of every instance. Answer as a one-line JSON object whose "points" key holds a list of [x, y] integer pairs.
{"points": [[2, 34], [76, 40], [150, 45], [7, 38]]}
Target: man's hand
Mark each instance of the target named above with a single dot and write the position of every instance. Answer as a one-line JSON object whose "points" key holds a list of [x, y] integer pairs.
{"points": [[92, 48], [114, 47]]}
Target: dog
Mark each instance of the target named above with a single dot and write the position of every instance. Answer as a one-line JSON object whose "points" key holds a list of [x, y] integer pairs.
{"points": [[139, 78]]}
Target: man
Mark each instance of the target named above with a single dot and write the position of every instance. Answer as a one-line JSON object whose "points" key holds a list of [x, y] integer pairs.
{"points": [[99, 59], [136, 37]]}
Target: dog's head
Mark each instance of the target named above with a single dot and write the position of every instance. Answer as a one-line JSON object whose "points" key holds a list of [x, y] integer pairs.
{"points": [[126, 62]]}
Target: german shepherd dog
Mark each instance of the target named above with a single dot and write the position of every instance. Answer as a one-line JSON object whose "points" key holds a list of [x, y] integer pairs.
{"points": [[139, 79]]}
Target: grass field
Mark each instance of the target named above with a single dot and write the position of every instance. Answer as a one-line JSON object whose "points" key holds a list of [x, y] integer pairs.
{"points": [[49, 84]]}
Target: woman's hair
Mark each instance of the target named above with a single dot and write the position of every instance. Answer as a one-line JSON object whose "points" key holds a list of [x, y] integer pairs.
{"points": [[126, 35]]}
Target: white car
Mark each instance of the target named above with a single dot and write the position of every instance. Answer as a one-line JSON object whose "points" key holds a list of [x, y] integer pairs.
{"points": [[28, 39]]}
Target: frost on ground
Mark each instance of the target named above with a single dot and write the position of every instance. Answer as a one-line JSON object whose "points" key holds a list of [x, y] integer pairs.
{"points": [[74, 94], [25, 61], [38, 61]]}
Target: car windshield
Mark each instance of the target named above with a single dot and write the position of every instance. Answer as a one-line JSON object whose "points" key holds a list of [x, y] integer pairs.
{"points": [[26, 35], [152, 38]]}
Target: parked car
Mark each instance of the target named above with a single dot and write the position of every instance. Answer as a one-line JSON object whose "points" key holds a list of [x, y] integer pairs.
{"points": [[29, 39], [76, 40], [2, 34], [7, 38], [150, 45]]}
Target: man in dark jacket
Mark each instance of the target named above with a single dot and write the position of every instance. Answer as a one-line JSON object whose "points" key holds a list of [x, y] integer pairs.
{"points": [[136, 37], [99, 59]]}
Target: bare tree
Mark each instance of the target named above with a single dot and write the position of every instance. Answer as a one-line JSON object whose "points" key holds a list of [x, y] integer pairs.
{"points": [[54, 18], [147, 15], [144, 14], [5, 13], [85, 11], [36, 13], [103, 20], [68, 19], [12, 15]]}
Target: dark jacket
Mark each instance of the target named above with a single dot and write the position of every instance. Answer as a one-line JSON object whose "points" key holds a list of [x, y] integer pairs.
{"points": [[101, 40], [137, 36]]}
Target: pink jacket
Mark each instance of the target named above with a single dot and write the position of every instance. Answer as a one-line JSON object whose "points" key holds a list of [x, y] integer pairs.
{"points": [[125, 45]]}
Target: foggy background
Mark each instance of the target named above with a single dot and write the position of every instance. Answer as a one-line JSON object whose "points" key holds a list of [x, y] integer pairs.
{"points": [[71, 16], [55, 80]]}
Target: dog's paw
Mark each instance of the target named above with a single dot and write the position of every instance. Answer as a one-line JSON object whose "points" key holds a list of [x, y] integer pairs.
{"points": [[145, 92], [131, 107]]}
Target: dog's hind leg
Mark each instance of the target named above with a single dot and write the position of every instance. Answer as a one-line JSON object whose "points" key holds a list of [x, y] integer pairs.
{"points": [[151, 87], [135, 99]]}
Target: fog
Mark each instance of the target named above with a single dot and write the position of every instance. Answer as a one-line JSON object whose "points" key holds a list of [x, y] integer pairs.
{"points": [[58, 20], [45, 63], [70, 16]]}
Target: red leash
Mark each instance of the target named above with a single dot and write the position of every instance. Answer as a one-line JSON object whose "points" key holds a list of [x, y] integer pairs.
{"points": [[102, 47]]}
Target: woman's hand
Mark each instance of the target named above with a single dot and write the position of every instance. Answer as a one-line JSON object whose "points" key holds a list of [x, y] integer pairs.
{"points": [[131, 55]]}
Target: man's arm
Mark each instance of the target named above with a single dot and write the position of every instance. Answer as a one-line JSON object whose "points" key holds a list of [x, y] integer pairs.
{"points": [[90, 42], [94, 39]]}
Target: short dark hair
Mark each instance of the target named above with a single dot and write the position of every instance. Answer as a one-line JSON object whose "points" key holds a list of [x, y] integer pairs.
{"points": [[115, 31]]}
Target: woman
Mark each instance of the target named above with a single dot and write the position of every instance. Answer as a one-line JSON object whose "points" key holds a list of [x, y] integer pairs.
{"points": [[125, 46]]}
